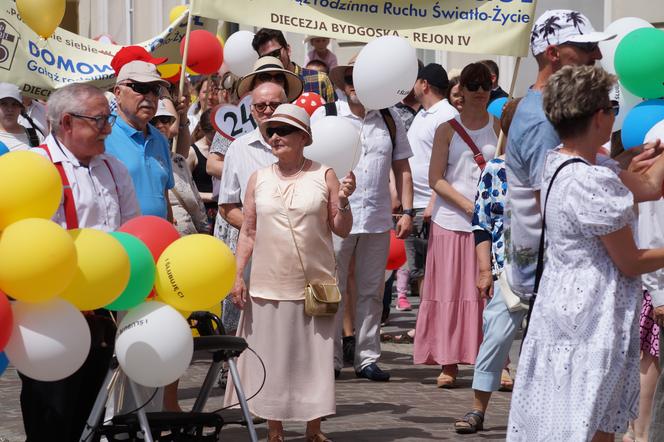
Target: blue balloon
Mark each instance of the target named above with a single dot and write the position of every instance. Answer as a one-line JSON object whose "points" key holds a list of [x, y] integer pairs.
{"points": [[640, 120], [495, 108], [4, 362], [3, 148]]}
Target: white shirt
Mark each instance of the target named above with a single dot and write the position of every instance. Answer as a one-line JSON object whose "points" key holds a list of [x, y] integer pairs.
{"points": [[245, 156], [370, 203], [463, 174], [15, 142], [104, 200], [36, 111], [651, 235], [420, 137]]}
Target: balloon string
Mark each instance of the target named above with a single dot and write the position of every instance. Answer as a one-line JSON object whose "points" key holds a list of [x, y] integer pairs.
{"points": [[358, 147]]}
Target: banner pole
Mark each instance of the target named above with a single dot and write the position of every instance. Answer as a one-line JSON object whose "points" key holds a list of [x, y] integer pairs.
{"points": [[183, 66], [510, 95]]}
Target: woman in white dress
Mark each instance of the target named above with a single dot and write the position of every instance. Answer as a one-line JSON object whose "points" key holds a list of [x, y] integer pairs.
{"points": [[578, 374]]}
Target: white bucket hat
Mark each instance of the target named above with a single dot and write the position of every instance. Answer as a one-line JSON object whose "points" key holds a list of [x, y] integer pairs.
{"points": [[289, 114]]}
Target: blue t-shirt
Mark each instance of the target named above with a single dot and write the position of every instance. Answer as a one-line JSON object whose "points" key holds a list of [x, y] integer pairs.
{"points": [[531, 136], [148, 160]]}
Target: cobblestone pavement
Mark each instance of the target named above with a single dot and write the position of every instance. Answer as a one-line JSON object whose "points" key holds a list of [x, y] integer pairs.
{"points": [[408, 408]]}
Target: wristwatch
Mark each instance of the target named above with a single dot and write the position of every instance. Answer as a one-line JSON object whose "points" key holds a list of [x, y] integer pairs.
{"points": [[409, 212]]}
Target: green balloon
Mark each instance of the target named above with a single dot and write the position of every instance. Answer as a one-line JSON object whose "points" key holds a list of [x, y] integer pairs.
{"points": [[639, 62], [141, 278]]}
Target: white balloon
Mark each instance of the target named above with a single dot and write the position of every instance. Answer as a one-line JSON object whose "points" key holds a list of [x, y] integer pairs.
{"points": [[657, 132], [385, 72], [626, 101], [239, 55], [620, 28], [154, 344], [336, 143], [49, 341]]}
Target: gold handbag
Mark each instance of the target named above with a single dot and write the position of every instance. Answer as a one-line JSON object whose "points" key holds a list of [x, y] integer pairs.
{"points": [[320, 299]]}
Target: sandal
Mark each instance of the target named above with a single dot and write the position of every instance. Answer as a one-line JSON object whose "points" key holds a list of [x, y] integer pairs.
{"points": [[506, 382], [471, 423], [445, 380], [318, 437]]}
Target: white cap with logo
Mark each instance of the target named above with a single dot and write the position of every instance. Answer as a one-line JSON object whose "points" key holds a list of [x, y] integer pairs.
{"points": [[558, 26]]}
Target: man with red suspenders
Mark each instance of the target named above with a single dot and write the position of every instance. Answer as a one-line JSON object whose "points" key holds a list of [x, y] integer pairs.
{"points": [[98, 193]]}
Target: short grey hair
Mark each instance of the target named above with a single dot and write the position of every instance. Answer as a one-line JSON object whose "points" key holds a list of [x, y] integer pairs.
{"points": [[573, 95], [69, 99]]}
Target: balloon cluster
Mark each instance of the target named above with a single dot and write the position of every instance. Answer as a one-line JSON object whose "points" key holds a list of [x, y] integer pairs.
{"points": [[636, 56], [53, 275]]}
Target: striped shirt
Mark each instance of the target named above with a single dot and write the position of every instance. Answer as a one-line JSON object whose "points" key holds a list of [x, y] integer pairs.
{"points": [[245, 156], [317, 82]]}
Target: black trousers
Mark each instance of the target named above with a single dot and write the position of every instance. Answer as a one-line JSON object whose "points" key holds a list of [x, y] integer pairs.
{"points": [[57, 411]]}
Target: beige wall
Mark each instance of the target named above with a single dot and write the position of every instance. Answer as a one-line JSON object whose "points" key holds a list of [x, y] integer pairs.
{"points": [[651, 10]]}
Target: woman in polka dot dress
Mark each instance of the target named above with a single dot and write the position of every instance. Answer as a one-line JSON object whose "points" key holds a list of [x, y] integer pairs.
{"points": [[578, 374]]}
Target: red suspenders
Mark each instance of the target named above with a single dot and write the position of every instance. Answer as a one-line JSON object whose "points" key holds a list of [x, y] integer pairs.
{"points": [[70, 207]]}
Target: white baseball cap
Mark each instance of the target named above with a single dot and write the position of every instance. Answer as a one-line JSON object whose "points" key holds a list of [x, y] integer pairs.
{"points": [[558, 26], [9, 90], [162, 109]]}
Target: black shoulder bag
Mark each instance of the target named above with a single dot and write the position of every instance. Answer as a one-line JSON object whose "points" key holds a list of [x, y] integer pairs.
{"points": [[540, 253]]}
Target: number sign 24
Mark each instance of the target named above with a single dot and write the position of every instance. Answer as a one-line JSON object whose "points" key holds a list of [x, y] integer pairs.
{"points": [[234, 121]]}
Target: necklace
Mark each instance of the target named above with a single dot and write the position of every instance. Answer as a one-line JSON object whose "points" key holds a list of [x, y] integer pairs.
{"points": [[304, 161]]}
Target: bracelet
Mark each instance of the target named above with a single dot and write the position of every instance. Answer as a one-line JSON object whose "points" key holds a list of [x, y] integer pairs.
{"points": [[346, 208]]}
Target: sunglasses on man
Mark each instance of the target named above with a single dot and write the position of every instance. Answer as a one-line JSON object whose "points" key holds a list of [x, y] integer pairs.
{"points": [[265, 77], [145, 88], [473, 86], [100, 121], [585, 47], [281, 131], [260, 107], [276, 53], [163, 119]]}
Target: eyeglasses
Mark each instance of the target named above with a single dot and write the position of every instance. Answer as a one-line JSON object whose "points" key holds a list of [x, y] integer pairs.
{"points": [[100, 121], [265, 77], [145, 88], [281, 131], [473, 86], [163, 119], [611, 109], [585, 47], [275, 53], [261, 107], [348, 79]]}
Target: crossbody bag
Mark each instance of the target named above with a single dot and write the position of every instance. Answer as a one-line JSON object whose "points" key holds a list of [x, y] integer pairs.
{"points": [[320, 299], [477, 155]]}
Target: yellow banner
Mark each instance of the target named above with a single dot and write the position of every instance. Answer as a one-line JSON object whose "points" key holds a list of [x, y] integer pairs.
{"points": [[500, 27], [39, 66]]}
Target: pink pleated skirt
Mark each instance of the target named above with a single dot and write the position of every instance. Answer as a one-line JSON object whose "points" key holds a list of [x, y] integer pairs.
{"points": [[297, 351], [449, 322]]}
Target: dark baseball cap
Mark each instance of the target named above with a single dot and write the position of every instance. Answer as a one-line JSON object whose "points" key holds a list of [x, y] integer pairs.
{"points": [[435, 75]]}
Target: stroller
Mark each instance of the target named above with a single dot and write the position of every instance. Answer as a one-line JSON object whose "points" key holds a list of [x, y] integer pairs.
{"points": [[195, 425]]}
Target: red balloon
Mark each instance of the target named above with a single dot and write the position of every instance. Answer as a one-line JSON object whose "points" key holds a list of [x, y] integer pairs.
{"points": [[205, 54], [6, 320], [309, 101], [155, 232], [397, 256]]}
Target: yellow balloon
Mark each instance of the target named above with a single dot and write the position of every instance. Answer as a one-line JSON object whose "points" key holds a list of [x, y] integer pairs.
{"points": [[42, 16], [195, 272], [30, 187], [102, 271], [38, 260], [176, 11]]}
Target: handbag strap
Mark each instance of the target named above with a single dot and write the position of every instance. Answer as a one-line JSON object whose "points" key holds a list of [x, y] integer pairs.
{"points": [[477, 155], [290, 225], [540, 253]]}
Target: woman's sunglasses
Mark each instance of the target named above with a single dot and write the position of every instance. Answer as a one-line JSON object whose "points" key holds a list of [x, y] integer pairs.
{"points": [[281, 131], [163, 119], [473, 86]]}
